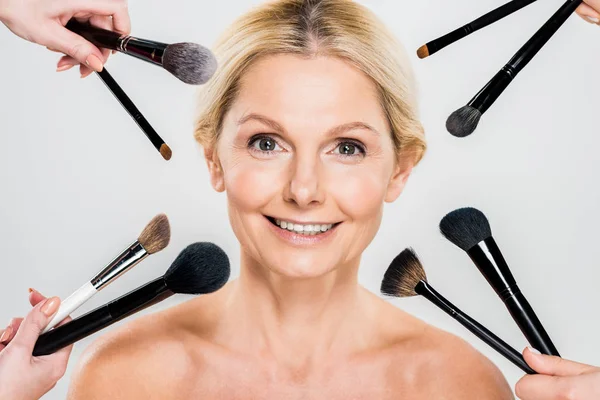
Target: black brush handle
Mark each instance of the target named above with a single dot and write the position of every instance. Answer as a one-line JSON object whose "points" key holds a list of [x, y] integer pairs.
{"points": [[541, 37], [102, 317], [481, 22], [490, 93], [133, 111], [486, 255], [425, 290], [528, 322], [147, 50]]}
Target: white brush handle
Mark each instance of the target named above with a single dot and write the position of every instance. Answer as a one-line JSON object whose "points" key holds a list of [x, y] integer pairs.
{"points": [[72, 303]]}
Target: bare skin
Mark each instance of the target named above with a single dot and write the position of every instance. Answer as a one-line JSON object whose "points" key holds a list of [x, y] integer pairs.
{"points": [[296, 324], [200, 350]]}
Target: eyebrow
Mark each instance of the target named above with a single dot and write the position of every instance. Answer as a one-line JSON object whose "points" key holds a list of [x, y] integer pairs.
{"points": [[331, 132]]}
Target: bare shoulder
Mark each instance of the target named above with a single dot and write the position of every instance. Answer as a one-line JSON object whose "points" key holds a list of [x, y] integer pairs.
{"points": [[148, 358], [441, 365]]}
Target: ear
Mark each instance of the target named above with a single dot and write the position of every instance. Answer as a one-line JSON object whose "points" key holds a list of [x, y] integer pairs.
{"points": [[398, 180], [214, 168]]}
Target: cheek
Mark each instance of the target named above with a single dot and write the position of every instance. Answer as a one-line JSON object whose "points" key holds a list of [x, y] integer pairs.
{"points": [[250, 184], [360, 192]]}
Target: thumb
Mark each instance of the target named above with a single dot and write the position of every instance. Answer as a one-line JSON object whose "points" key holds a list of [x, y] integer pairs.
{"points": [[71, 44], [552, 365], [35, 322]]}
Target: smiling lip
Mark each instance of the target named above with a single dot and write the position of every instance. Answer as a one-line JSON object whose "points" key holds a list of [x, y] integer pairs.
{"points": [[299, 239]]}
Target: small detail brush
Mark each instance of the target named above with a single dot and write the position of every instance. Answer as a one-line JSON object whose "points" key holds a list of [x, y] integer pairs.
{"points": [[405, 277], [200, 268], [154, 238], [437, 44], [469, 229], [138, 117], [464, 121], [189, 62]]}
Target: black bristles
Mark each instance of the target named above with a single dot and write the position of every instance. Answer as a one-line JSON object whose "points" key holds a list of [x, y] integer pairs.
{"points": [[463, 121], [199, 269], [403, 274], [190, 62], [465, 227]]}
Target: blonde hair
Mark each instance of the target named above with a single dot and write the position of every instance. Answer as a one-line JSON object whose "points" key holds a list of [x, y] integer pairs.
{"points": [[337, 28]]}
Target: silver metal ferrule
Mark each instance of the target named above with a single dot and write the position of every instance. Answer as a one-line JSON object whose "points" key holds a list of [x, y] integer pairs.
{"points": [[121, 264], [123, 41]]}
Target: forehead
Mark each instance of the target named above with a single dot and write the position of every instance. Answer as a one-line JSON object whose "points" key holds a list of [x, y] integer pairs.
{"points": [[325, 91]]}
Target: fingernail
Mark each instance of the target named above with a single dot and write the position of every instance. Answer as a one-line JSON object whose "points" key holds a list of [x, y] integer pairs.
{"points": [[6, 334], [94, 62], [591, 20], [534, 351], [64, 68], [50, 306]]}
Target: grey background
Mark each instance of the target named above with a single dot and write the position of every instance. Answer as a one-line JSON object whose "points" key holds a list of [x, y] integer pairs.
{"points": [[79, 180]]}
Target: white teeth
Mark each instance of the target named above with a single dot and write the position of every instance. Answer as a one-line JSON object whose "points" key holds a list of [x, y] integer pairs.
{"points": [[309, 229]]}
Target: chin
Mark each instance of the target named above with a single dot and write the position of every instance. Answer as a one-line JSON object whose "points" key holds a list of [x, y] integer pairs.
{"points": [[305, 268]]}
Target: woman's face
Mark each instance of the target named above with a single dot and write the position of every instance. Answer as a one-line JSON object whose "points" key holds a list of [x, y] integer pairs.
{"points": [[306, 158]]}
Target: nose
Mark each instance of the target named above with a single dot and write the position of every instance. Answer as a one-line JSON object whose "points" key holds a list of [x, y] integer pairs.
{"points": [[305, 187]]}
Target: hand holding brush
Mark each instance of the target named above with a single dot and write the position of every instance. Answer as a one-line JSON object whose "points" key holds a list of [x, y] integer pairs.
{"points": [[558, 379], [42, 22], [23, 376]]}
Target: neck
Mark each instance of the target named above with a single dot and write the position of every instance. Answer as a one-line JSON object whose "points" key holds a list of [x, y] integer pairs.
{"points": [[298, 320]]}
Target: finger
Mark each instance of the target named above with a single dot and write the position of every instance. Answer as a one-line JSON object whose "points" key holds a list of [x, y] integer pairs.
{"points": [[35, 322], [11, 330], [6, 334], [65, 63], [84, 71], [588, 13], [544, 387], [117, 9], [35, 297], [103, 22], [594, 4], [552, 365], [75, 46]]}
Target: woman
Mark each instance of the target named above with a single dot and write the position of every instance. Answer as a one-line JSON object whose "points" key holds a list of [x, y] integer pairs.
{"points": [[309, 127], [18, 370]]}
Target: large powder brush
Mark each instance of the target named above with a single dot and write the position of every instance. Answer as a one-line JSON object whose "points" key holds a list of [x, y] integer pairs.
{"points": [[469, 229], [200, 268]]}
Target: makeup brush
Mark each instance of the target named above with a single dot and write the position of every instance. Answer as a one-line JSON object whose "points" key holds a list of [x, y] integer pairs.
{"points": [[464, 121], [189, 62], [469, 229], [405, 277], [200, 268], [437, 44], [138, 117], [154, 238]]}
